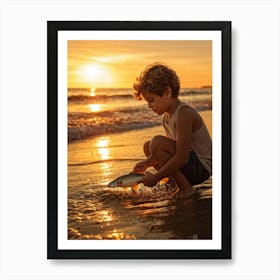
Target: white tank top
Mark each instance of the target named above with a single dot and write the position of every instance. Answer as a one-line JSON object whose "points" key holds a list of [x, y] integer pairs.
{"points": [[201, 142]]}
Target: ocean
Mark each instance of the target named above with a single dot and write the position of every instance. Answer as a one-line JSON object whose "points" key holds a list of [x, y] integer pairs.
{"points": [[94, 112], [106, 132]]}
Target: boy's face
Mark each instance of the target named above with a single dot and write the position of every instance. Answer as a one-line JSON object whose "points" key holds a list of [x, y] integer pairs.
{"points": [[159, 104]]}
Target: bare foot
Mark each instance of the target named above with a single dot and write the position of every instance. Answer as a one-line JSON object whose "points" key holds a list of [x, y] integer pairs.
{"points": [[184, 193]]}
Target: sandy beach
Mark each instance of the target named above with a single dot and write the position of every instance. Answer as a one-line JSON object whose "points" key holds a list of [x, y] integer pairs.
{"points": [[96, 212]]}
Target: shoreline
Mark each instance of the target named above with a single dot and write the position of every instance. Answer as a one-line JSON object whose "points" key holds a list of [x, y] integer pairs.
{"points": [[205, 114]]}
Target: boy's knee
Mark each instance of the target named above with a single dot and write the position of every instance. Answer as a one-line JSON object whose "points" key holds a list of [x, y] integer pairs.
{"points": [[161, 143], [157, 142]]}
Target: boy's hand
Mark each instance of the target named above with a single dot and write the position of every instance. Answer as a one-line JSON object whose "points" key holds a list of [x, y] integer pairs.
{"points": [[149, 180], [140, 167]]}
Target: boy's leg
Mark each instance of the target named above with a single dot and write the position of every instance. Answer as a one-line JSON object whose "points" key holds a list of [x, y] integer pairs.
{"points": [[162, 149], [147, 152]]}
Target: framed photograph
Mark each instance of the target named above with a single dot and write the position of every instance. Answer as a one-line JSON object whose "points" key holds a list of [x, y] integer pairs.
{"points": [[139, 140]]}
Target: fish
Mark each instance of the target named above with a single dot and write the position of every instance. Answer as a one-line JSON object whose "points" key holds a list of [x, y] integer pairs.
{"points": [[127, 180]]}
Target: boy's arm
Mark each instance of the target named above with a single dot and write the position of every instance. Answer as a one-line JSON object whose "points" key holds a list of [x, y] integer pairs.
{"points": [[184, 125], [141, 166]]}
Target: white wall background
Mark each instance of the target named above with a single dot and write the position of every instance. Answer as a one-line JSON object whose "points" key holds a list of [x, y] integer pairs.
{"points": [[255, 151]]}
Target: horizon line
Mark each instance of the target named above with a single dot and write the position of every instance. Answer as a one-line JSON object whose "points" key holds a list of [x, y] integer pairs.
{"points": [[205, 86]]}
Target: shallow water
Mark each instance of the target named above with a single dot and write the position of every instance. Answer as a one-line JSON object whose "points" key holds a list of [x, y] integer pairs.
{"points": [[97, 212]]}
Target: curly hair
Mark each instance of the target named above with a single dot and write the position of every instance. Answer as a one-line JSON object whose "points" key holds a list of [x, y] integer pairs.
{"points": [[156, 78]]}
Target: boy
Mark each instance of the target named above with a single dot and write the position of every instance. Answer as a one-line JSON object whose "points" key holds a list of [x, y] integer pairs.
{"points": [[185, 154]]}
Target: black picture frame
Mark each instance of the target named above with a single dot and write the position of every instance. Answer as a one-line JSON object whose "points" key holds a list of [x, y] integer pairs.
{"points": [[53, 252]]}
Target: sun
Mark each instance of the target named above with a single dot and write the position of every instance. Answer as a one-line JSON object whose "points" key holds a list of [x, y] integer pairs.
{"points": [[95, 74], [92, 71]]}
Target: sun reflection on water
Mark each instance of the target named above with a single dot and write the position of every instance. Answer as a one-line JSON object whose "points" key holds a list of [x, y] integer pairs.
{"points": [[95, 107], [104, 153], [119, 235], [105, 216], [115, 235], [103, 142], [102, 145], [92, 92]]}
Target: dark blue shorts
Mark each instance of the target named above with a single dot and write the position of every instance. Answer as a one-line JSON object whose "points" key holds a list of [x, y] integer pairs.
{"points": [[194, 170]]}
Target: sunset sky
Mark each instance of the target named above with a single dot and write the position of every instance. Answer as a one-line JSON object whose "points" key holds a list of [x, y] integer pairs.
{"points": [[116, 64]]}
